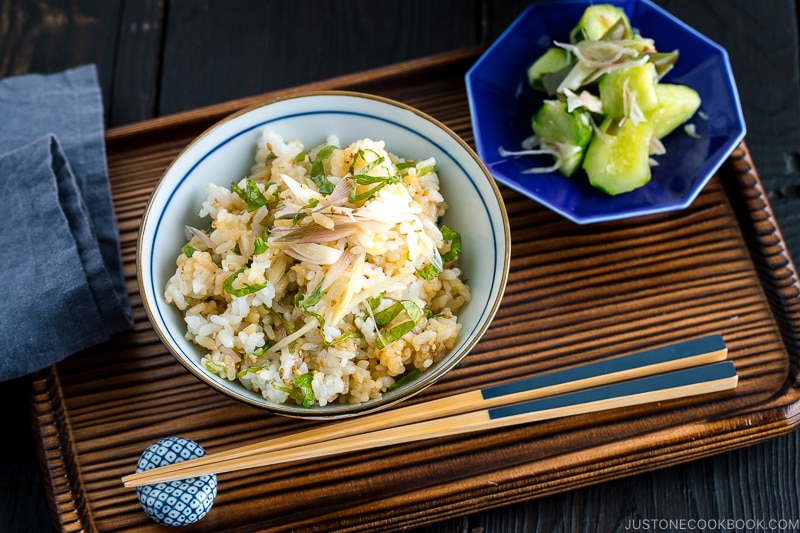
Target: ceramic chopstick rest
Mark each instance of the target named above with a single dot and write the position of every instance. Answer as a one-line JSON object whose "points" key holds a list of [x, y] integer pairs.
{"points": [[175, 503], [705, 352]]}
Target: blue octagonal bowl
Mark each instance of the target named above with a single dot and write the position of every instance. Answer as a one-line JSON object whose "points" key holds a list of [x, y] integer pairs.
{"points": [[501, 103]]}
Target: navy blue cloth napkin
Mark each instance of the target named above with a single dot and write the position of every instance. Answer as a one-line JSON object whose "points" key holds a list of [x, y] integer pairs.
{"points": [[62, 288]]}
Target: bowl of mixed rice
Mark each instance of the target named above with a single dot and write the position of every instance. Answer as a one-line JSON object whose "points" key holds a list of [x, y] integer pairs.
{"points": [[324, 254]]}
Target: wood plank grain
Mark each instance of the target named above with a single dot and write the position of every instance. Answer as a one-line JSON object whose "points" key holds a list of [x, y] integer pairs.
{"points": [[137, 58], [739, 484], [45, 37], [761, 44], [23, 505], [772, 110], [551, 316], [248, 50]]}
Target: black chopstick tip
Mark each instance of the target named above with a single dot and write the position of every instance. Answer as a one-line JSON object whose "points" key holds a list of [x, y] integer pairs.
{"points": [[721, 372], [678, 355]]}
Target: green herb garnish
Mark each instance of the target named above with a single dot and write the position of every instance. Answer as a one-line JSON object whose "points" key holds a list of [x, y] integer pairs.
{"points": [[304, 302], [216, 368], [341, 338], [385, 317], [454, 237], [323, 184], [425, 170], [412, 375], [362, 178], [428, 272], [375, 302], [366, 180], [260, 246], [300, 390], [255, 355], [310, 205], [188, 251], [244, 291], [251, 194], [366, 168]]}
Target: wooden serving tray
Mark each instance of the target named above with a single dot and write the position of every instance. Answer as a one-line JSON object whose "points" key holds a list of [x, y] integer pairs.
{"points": [[575, 294]]}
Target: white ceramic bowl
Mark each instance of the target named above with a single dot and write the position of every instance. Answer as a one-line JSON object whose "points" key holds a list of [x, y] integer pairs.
{"points": [[225, 152]]}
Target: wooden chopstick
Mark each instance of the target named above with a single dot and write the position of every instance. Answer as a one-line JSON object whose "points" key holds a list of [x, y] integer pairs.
{"points": [[672, 357], [705, 379], [684, 354]]}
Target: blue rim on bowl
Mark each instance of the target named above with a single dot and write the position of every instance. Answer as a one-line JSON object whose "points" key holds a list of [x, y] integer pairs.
{"points": [[501, 103], [407, 131]]}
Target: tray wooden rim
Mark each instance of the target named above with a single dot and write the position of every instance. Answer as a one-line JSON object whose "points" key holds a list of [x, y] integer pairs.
{"points": [[776, 416]]}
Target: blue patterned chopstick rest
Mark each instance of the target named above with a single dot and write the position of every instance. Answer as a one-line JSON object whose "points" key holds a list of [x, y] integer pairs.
{"points": [[175, 503]]}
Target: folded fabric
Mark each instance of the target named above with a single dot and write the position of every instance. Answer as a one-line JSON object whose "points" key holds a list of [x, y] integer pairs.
{"points": [[63, 288]]}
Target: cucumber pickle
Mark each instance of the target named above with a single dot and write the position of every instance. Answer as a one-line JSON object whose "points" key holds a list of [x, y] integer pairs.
{"points": [[568, 133], [607, 126]]}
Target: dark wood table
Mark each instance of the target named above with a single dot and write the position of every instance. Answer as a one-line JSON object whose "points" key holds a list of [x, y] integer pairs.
{"points": [[157, 58]]}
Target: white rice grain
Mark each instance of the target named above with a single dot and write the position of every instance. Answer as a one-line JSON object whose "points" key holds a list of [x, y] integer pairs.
{"points": [[294, 318]]}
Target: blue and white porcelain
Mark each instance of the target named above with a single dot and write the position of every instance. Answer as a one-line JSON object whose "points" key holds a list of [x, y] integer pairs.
{"points": [[225, 153], [175, 503], [501, 104]]}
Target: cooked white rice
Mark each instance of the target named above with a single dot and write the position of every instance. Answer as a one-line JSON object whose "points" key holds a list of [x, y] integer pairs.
{"points": [[329, 284]]}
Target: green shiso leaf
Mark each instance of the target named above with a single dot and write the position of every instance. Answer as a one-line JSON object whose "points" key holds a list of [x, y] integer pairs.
{"points": [[318, 170]]}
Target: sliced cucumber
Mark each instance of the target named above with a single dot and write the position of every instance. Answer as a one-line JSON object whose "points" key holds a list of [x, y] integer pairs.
{"points": [[596, 21], [620, 162], [635, 109], [551, 61], [566, 133], [641, 83], [553, 121], [676, 105]]}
